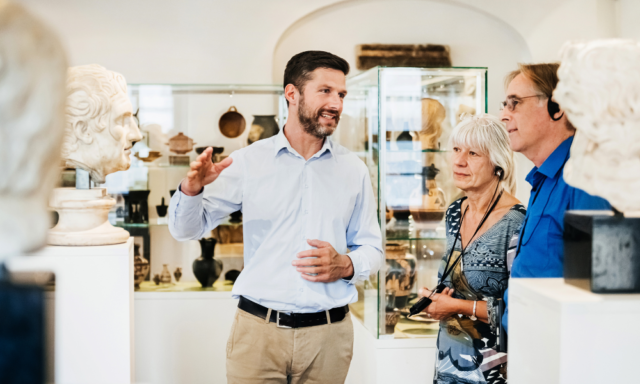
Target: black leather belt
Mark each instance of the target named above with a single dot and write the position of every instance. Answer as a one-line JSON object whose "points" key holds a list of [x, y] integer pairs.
{"points": [[293, 320]]}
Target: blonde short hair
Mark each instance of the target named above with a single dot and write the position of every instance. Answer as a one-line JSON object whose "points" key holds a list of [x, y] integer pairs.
{"points": [[489, 135]]}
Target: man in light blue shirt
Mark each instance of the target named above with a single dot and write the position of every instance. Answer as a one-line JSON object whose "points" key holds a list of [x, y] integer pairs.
{"points": [[310, 233]]}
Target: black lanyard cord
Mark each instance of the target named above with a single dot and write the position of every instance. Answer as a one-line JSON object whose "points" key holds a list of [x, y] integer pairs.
{"points": [[425, 301], [448, 269]]}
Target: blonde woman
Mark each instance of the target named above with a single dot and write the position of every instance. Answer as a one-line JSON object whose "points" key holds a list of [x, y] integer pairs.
{"points": [[474, 267]]}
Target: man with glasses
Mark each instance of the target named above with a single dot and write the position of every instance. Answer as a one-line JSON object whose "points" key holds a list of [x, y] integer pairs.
{"points": [[539, 129]]}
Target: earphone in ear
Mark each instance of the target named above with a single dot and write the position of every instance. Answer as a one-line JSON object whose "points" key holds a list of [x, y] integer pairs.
{"points": [[499, 172], [553, 108]]}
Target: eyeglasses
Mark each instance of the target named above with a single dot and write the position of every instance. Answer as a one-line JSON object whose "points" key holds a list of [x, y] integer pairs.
{"points": [[511, 102]]}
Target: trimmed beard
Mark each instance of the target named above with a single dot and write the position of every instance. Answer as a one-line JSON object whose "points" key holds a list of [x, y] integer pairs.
{"points": [[311, 123]]}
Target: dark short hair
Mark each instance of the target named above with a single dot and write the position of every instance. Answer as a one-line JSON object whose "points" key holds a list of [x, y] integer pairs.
{"points": [[300, 66]]}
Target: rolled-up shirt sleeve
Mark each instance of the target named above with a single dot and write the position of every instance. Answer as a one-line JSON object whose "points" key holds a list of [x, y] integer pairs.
{"points": [[191, 217], [364, 238]]}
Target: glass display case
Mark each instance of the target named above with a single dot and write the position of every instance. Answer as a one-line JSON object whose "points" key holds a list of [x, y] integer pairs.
{"points": [[398, 120], [177, 123]]}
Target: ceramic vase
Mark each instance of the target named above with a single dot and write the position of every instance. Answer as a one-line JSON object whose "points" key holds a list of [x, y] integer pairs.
{"points": [[136, 207], [401, 272], [263, 127], [162, 209], [177, 274], [206, 268], [165, 276], [433, 115], [434, 201], [140, 270]]}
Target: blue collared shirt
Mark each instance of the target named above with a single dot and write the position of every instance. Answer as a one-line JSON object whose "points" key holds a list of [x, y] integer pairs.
{"points": [[286, 200], [541, 251]]}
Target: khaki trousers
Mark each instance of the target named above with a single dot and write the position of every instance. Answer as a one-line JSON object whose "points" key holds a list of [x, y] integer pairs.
{"points": [[260, 352]]}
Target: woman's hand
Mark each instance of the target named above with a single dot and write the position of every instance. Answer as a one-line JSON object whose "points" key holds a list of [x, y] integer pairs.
{"points": [[443, 305]]}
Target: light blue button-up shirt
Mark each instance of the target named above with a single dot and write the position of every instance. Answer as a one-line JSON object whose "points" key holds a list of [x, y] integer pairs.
{"points": [[286, 200]]}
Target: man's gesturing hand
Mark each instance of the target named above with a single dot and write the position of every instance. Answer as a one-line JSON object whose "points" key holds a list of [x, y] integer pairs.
{"points": [[325, 261], [203, 172]]}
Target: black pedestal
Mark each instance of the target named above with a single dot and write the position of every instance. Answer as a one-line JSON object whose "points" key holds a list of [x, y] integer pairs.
{"points": [[602, 252]]}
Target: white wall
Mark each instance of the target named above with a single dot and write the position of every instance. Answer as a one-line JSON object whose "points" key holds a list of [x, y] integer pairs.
{"points": [[475, 39], [187, 41], [247, 41]]}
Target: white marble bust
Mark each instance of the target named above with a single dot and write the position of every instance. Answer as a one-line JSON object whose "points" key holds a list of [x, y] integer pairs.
{"points": [[100, 128], [599, 90], [32, 96]]}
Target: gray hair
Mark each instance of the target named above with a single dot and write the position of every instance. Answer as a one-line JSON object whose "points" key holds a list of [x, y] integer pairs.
{"points": [[489, 135], [88, 110]]}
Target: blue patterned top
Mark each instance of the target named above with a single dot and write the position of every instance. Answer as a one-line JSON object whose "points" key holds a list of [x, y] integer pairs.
{"points": [[466, 348]]}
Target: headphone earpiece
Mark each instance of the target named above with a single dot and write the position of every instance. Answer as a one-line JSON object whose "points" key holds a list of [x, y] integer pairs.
{"points": [[499, 172], [553, 108]]}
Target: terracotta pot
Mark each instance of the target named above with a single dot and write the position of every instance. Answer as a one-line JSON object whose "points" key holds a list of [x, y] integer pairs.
{"points": [[181, 144], [232, 123]]}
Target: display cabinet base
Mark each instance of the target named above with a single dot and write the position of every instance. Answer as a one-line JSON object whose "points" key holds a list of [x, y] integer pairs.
{"points": [[179, 160], [83, 218], [602, 252]]}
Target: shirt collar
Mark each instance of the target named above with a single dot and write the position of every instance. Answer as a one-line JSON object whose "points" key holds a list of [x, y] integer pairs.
{"points": [[281, 142], [554, 163]]}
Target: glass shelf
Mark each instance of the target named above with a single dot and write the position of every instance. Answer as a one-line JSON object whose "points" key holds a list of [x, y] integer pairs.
{"points": [[411, 150], [192, 286], [218, 88], [392, 238]]}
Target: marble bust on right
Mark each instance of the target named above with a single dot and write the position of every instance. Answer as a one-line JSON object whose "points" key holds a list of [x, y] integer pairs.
{"points": [[599, 90]]}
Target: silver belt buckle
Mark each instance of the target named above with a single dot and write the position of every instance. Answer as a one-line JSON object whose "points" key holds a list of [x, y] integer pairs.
{"points": [[278, 321]]}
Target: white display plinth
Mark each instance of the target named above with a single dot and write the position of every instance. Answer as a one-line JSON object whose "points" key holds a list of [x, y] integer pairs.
{"points": [[181, 337], [383, 361], [562, 334], [93, 310]]}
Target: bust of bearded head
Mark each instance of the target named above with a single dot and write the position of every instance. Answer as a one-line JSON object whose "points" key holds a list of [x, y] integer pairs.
{"points": [[100, 129]]}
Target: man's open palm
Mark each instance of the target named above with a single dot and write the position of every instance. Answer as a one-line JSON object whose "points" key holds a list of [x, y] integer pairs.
{"points": [[203, 172]]}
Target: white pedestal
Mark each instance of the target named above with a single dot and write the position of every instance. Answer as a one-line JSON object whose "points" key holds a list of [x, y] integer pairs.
{"points": [[93, 310], [181, 337], [561, 334], [377, 361]]}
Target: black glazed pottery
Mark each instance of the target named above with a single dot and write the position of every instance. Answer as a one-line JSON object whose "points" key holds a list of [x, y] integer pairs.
{"points": [[205, 268]]}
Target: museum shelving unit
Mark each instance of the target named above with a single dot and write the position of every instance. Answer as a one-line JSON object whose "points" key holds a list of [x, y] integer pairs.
{"points": [[163, 111], [387, 112], [398, 121]]}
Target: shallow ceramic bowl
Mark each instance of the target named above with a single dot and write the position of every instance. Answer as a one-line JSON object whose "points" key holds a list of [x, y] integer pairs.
{"points": [[421, 215], [153, 155], [396, 250]]}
